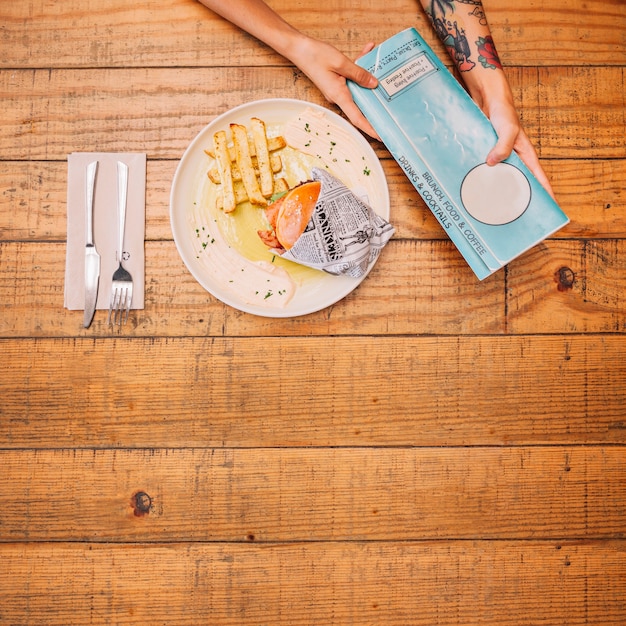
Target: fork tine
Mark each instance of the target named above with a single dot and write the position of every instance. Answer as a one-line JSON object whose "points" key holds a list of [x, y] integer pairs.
{"points": [[123, 307], [129, 299], [113, 306], [121, 300], [120, 305], [116, 308]]}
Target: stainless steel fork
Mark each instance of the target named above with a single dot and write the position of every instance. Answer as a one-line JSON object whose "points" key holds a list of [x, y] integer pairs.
{"points": [[122, 287]]}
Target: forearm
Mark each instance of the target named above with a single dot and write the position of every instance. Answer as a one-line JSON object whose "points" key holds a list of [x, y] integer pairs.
{"points": [[259, 20], [463, 28], [324, 64]]}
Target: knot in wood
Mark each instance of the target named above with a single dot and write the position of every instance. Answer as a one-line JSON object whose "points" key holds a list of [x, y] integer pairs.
{"points": [[564, 278], [142, 503]]}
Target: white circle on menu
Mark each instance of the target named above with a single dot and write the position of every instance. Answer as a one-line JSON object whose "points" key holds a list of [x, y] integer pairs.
{"points": [[495, 194]]}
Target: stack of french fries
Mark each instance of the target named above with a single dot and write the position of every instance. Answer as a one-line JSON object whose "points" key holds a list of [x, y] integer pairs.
{"points": [[247, 170]]}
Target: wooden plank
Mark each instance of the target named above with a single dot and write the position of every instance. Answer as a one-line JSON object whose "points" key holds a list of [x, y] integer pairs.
{"points": [[560, 286], [585, 292], [407, 583], [157, 111], [592, 193], [308, 391], [324, 494], [116, 34], [33, 197], [573, 102], [430, 288], [161, 110], [540, 33], [33, 200]]}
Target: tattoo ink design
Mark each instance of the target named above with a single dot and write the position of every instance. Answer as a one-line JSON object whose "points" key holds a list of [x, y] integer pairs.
{"points": [[479, 14], [439, 8], [456, 42], [487, 54], [450, 34], [441, 13]]}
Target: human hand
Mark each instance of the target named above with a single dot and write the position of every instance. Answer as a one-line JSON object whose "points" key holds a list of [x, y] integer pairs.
{"points": [[329, 69], [511, 137]]}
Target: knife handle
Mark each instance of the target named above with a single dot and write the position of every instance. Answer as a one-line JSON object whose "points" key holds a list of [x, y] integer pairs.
{"points": [[92, 168]]}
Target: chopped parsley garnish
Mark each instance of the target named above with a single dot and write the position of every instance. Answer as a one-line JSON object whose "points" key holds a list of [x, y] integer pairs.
{"points": [[209, 239]]}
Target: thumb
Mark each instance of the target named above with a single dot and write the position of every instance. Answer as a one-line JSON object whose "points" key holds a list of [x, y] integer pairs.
{"points": [[358, 75], [501, 151]]}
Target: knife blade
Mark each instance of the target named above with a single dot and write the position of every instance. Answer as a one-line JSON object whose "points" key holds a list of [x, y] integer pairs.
{"points": [[92, 258]]}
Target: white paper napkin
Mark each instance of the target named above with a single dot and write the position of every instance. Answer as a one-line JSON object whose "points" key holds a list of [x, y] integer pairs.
{"points": [[105, 225]]}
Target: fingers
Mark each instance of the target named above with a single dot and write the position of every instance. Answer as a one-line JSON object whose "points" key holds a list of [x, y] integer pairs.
{"points": [[512, 137], [530, 158], [353, 113], [502, 149], [368, 47], [507, 142], [331, 74], [357, 74], [351, 71], [329, 69]]}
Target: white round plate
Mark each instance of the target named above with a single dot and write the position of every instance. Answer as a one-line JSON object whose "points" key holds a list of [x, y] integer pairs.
{"points": [[315, 290]]}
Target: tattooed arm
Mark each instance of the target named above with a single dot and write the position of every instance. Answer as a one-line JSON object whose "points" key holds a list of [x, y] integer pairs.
{"points": [[462, 27]]}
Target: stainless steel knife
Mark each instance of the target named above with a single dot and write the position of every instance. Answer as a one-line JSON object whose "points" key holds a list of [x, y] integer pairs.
{"points": [[92, 258]]}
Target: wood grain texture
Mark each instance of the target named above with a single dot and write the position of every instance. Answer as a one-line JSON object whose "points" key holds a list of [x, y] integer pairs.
{"points": [[33, 197], [403, 584], [590, 289], [177, 305], [281, 391], [49, 114], [417, 287], [183, 32], [344, 494], [431, 450]]}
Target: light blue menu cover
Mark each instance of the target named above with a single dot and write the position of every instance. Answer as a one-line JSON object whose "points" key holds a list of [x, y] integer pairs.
{"points": [[440, 138]]}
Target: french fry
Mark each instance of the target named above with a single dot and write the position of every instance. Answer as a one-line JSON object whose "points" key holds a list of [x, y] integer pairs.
{"points": [[244, 162], [223, 163], [245, 170], [266, 178], [273, 144], [276, 165], [240, 196], [280, 185]]}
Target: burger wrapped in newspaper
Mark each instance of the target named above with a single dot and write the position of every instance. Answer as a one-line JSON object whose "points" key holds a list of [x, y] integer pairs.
{"points": [[324, 225]]}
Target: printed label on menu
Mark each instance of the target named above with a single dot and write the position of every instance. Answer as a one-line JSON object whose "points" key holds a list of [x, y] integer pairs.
{"points": [[411, 72]]}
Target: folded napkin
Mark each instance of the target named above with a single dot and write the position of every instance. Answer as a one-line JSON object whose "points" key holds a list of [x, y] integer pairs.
{"points": [[106, 225]]}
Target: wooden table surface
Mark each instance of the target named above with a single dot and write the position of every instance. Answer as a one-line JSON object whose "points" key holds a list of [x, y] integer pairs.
{"points": [[429, 450]]}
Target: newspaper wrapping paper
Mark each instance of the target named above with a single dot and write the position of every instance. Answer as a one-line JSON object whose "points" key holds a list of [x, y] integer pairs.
{"points": [[344, 235]]}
